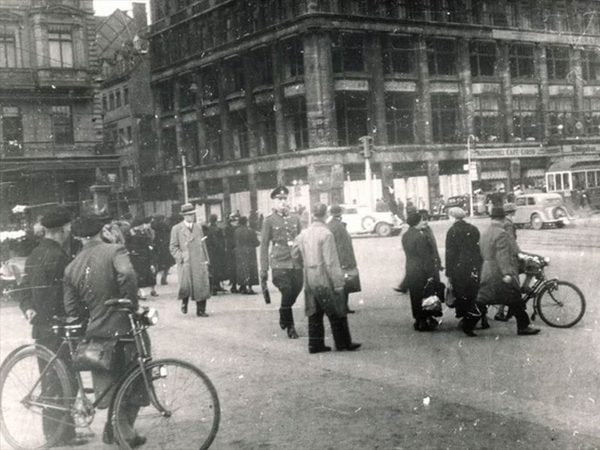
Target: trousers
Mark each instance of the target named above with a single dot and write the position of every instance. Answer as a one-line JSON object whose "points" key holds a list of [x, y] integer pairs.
{"points": [[290, 283], [339, 329]]}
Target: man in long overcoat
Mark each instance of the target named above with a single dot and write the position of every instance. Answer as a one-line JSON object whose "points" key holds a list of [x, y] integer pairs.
{"points": [[422, 271], [500, 272], [315, 250], [189, 251], [245, 256], [463, 268], [345, 249], [101, 272]]}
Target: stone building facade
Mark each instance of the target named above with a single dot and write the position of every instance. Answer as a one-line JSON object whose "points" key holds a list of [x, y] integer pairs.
{"points": [[51, 121], [260, 93]]}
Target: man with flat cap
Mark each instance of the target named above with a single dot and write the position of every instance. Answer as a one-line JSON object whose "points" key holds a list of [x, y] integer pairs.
{"points": [[189, 251], [41, 297], [278, 232], [100, 272]]}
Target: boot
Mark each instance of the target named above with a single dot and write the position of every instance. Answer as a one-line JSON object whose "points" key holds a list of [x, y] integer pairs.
{"points": [[184, 305], [163, 278], [291, 332], [341, 335]]}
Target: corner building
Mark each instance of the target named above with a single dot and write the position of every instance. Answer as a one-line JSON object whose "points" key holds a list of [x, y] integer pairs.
{"points": [[260, 93]]}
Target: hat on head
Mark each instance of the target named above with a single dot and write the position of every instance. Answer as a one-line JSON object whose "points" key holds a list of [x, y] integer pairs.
{"points": [[457, 213], [138, 221], [58, 217], [188, 208], [423, 213], [280, 192], [319, 210], [243, 220], [87, 226], [497, 212], [509, 207], [413, 219], [336, 211], [213, 218]]}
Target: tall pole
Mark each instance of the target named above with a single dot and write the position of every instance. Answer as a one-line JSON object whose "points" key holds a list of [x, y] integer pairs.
{"points": [[185, 183], [367, 152], [470, 174]]}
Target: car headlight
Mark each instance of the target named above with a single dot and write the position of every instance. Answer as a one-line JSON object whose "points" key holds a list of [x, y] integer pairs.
{"points": [[547, 260], [151, 317]]}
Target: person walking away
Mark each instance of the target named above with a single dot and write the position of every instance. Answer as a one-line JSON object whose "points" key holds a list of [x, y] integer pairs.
{"points": [[229, 233], [278, 233], [500, 272], [216, 246], [101, 272], [315, 250], [40, 298], [189, 251], [164, 260], [345, 251], [141, 255], [401, 215], [246, 242], [463, 268], [510, 210], [421, 271]]}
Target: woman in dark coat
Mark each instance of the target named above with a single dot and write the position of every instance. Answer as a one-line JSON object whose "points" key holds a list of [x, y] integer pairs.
{"points": [[463, 268], [229, 231], [215, 244], [245, 256], [141, 254], [162, 236], [421, 267]]}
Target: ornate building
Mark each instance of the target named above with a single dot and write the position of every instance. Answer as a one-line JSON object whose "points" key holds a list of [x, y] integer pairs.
{"points": [[260, 93], [51, 122]]}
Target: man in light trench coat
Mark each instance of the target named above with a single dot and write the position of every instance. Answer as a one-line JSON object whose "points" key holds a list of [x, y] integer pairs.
{"points": [[189, 250]]}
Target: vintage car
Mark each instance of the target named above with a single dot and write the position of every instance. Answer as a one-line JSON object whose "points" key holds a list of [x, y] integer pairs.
{"points": [[462, 201], [540, 209], [363, 220]]}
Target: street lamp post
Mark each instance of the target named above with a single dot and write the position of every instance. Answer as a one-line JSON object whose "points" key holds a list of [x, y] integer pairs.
{"points": [[366, 141], [185, 183], [470, 173]]}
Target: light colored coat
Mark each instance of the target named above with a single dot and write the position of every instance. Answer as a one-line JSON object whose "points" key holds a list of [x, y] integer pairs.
{"points": [[315, 247], [189, 251]]}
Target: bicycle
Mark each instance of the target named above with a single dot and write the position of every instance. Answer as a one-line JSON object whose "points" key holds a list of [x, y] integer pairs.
{"points": [[560, 304], [183, 411]]}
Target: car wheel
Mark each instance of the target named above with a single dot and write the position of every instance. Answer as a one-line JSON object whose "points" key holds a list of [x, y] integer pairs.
{"points": [[559, 213], [384, 229], [536, 222], [368, 223]]}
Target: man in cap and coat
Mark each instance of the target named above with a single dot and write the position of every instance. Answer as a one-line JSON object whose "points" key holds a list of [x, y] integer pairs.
{"points": [[100, 272], [510, 210], [41, 298], [315, 250], [189, 250], [500, 272], [280, 229]]}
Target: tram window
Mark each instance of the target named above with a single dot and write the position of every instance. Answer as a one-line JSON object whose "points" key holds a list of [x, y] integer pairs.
{"points": [[550, 179], [566, 184], [558, 180], [591, 179], [578, 180]]}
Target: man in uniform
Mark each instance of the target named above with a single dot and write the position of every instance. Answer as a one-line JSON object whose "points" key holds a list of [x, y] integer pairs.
{"points": [[280, 229]]}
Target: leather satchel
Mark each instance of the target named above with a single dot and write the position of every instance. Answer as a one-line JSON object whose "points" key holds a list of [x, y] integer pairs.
{"points": [[351, 280], [95, 355]]}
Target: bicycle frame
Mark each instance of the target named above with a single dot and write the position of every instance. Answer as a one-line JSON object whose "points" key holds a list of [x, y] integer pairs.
{"points": [[540, 283]]}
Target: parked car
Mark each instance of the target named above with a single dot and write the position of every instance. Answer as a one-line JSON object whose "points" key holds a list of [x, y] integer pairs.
{"points": [[462, 201], [363, 220], [540, 209]]}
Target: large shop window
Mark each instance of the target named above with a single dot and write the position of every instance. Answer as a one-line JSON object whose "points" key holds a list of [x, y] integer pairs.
{"points": [[562, 120], [487, 121], [60, 44], [558, 62], [352, 117], [444, 112], [590, 63], [398, 55], [62, 125], [348, 53], [267, 133], [441, 56], [483, 59], [525, 118], [12, 131], [400, 114], [591, 107], [293, 58], [8, 49], [522, 61], [296, 123]]}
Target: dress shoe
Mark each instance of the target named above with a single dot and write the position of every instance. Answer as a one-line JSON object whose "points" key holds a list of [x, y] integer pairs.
{"points": [[154, 294], [400, 289], [184, 308], [73, 442], [234, 290], [350, 311], [319, 349], [528, 331], [201, 314], [292, 334], [136, 441], [353, 346], [485, 324]]}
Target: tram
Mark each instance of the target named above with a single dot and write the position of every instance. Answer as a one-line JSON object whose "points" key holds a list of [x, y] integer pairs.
{"points": [[579, 180]]}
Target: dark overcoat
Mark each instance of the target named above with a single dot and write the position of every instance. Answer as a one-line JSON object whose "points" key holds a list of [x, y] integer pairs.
{"points": [[246, 242], [421, 261], [230, 252], [500, 258], [343, 243], [216, 246], [190, 254], [42, 287], [162, 234], [141, 254]]}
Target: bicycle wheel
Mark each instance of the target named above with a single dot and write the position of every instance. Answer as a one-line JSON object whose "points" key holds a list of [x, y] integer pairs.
{"points": [[187, 394], [34, 417], [560, 304]]}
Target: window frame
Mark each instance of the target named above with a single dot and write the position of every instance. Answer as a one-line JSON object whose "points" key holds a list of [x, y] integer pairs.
{"points": [[65, 42], [436, 56], [62, 116], [517, 59]]}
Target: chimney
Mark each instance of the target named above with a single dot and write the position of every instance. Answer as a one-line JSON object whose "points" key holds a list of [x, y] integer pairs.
{"points": [[140, 19]]}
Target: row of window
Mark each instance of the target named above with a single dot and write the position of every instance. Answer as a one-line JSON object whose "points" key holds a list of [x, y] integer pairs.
{"points": [[12, 126], [115, 98], [119, 137], [60, 48]]}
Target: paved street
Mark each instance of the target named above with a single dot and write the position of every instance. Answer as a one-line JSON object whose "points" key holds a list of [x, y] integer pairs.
{"points": [[402, 389]]}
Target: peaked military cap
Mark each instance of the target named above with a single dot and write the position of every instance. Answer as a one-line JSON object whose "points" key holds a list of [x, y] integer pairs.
{"points": [[58, 217], [87, 226], [280, 191]]}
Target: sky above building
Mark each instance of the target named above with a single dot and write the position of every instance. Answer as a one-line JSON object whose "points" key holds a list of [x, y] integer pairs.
{"points": [[106, 7]]}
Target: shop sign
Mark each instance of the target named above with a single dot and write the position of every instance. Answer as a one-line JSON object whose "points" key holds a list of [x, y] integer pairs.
{"points": [[515, 152], [582, 148]]}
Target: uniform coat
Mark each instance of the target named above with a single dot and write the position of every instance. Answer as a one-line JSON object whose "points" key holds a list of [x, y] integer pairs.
{"points": [[245, 256], [281, 230], [190, 254], [315, 250], [500, 258]]}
